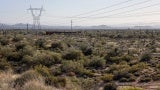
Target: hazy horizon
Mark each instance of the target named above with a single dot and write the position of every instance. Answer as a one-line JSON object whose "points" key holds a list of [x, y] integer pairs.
{"points": [[83, 12]]}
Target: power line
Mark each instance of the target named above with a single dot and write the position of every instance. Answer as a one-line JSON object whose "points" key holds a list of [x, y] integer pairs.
{"points": [[127, 11], [120, 8], [117, 4], [127, 15]]}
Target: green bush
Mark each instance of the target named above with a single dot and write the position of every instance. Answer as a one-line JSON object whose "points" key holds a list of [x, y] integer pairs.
{"points": [[4, 65], [4, 41], [57, 46], [86, 50], [70, 66], [110, 86], [73, 55], [14, 56], [47, 58], [42, 70], [17, 38], [146, 57], [107, 77], [5, 51], [156, 77], [20, 46], [129, 88], [40, 43], [145, 79], [97, 63], [56, 81]]}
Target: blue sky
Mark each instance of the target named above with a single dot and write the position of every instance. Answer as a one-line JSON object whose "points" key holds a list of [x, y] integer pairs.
{"points": [[59, 12]]}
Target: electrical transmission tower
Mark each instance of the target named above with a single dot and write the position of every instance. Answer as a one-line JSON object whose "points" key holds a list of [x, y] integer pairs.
{"points": [[36, 14]]}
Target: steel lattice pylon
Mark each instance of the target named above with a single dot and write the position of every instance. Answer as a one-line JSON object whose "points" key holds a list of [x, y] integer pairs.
{"points": [[36, 18]]}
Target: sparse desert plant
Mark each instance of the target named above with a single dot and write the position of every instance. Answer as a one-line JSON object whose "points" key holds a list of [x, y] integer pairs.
{"points": [[110, 86], [70, 66], [4, 41], [40, 43], [26, 77], [56, 81], [146, 57], [57, 46], [86, 50], [107, 77], [73, 55], [47, 58], [42, 70], [129, 88], [97, 62], [4, 65]]}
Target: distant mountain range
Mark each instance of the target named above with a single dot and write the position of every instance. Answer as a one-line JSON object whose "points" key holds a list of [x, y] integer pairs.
{"points": [[24, 26]]}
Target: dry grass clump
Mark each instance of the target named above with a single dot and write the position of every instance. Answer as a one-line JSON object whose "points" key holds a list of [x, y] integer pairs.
{"points": [[37, 85], [6, 78]]}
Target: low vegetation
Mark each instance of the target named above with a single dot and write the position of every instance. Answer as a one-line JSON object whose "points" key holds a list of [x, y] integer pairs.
{"points": [[89, 60]]}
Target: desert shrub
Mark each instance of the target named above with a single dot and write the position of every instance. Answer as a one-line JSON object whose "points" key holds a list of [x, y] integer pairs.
{"points": [[25, 77], [97, 62], [27, 50], [56, 81], [36, 85], [121, 71], [87, 83], [113, 53], [126, 58], [14, 56], [145, 79], [4, 65], [20, 46], [118, 59], [107, 77], [86, 50], [40, 43], [128, 78], [75, 67], [146, 57], [124, 76], [129, 88], [47, 58], [17, 38], [4, 41], [110, 86], [42, 70], [5, 51], [73, 55], [57, 46], [156, 77], [116, 68], [85, 73], [137, 67], [70, 66]]}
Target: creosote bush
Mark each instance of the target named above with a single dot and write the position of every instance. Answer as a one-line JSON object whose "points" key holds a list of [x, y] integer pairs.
{"points": [[56, 81], [97, 62], [4, 65], [73, 55], [57, 46], [110, 86], [146, 57]]}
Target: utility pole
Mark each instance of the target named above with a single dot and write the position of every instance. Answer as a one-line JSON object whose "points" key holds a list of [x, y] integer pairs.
{"points": [[27, 29], [36, 18], [71, 25]]}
